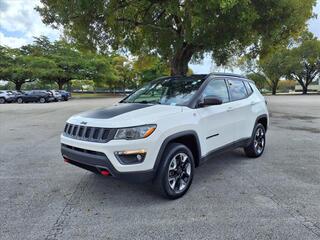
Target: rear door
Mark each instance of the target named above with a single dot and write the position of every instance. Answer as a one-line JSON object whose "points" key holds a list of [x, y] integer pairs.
{"points": [[241, 108], [216, 122]]}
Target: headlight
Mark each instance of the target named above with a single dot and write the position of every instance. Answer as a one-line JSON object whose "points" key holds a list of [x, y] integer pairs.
{"points": [[135, 132]]}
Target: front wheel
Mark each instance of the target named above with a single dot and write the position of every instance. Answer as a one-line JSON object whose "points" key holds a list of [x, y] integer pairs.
{"points": [[42, 100], [19, 100], [176, 172], [258, 142], [2, 101]]}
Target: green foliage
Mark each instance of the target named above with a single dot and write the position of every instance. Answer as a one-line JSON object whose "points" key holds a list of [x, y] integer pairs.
{"points": [[272, 66], [259, 79], [83, 85], [179, 30], [57, 62], [68, 63], [18, 67], [150, 67], [303, 62]]}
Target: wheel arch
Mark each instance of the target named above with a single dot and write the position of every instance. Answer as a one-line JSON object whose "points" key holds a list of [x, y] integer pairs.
{"points": [[263, 119], [188, 138]]}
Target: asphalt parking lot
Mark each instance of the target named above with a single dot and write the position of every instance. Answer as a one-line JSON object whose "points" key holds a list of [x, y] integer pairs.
{"points": [[232, 197]]}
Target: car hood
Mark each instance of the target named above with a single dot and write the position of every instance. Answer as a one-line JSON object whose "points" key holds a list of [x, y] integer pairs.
{"points": [[125, 115]]}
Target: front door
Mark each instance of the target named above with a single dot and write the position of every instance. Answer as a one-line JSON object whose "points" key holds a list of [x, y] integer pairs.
{"points": [[216, 122]]}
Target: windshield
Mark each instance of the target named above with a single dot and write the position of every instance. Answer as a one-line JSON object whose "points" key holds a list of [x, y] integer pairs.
{"points": [[167, 91]]}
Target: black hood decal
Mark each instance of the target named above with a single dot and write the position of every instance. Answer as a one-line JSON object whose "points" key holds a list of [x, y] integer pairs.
{"points": [[114, 111]]}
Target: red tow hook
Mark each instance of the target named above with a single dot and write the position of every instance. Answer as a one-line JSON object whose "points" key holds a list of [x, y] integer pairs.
{"points": [[105, 172], [66, 160]]}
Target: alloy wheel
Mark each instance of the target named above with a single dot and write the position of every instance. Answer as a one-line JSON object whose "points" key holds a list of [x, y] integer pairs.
{"points": [[259, 140], [179, 173]]}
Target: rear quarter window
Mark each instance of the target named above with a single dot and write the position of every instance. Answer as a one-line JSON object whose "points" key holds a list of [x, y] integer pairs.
{"points": [[248, 87], [237, 90]]}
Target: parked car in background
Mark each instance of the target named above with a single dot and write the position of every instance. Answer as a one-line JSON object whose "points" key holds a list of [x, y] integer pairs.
{"points": [[7, 96], [40, 96], [17, 93], [56, 95], [65, 95]]}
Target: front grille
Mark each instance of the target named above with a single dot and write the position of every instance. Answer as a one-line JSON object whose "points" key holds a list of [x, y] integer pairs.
{"points": [[90, 134]]}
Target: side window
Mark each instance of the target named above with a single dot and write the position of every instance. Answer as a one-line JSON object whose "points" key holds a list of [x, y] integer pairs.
{"points": [[217, 88], [248, 87], [237, 90]]}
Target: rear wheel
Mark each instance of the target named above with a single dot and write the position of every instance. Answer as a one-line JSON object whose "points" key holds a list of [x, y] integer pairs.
{"points": [[2, 101], [42, 100], [258, 142], [176, 173]]}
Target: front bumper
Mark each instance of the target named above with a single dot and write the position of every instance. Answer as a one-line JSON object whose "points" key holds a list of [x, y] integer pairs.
{"points": [[97, 162]]}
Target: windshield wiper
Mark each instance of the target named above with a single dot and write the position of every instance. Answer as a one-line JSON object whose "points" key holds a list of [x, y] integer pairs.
{"points": [[146, 102]]}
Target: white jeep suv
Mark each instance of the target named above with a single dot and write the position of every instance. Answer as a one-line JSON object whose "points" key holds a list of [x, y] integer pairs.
{"points": [[165, 129]]}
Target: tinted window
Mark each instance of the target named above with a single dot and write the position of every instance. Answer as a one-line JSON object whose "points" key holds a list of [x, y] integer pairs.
{"points": [[237, 90], [217, 88], [248, 87]]}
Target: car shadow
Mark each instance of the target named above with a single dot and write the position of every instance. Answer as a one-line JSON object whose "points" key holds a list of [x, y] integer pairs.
{"points": [[121, 193]]}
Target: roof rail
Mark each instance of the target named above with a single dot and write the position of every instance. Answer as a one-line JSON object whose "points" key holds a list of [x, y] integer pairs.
{"points": [[227, 74]]}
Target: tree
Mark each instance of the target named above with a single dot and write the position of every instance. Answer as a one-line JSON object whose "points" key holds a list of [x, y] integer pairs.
{"points": [[266, 70], [178, 30], [259, 79], [303, 62], [150, 67], [18, 67], [272, 66], [124, 73], [68, 62]]}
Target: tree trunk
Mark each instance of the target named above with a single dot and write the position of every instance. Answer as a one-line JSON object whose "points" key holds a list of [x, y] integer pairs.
{"points": [[274, 86], [61, 83], [18, 85], [179, 63], [304, 89]]}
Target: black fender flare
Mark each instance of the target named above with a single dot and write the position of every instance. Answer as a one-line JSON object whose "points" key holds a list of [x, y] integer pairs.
{"points": [[170, 139], [259, 118]]}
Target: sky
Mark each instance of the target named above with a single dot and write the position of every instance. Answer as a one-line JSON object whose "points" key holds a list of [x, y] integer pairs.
{"points": [[19, 23]]}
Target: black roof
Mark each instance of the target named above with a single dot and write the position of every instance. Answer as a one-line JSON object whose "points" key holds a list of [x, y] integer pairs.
{"points": [[227, 74], [219, 74]]}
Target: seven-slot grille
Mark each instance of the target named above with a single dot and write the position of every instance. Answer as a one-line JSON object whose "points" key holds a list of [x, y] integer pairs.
{"points": [[87, 133]]}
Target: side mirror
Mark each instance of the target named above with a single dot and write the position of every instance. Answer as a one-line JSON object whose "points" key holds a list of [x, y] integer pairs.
{"points": [[210, 101]]}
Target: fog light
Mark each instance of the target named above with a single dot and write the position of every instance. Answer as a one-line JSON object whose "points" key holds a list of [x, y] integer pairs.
{"points": [[131, 156], [139, 157]]}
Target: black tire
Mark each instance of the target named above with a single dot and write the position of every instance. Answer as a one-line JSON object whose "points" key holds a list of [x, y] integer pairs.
{"points": [[42, 100], [177, 165], [19, 100], [2, 100], [258, 142]]}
